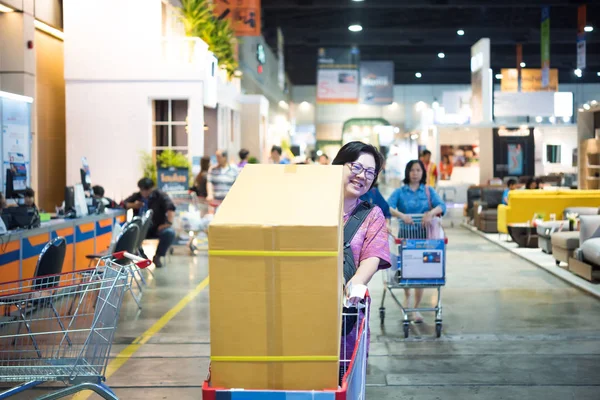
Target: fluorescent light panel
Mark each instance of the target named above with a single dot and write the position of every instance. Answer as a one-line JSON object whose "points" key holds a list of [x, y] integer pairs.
{"points": [[49, 30], [5, 9]]}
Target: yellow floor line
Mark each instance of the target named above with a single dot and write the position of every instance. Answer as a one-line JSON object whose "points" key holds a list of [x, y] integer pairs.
{"points": [[130, 350]]}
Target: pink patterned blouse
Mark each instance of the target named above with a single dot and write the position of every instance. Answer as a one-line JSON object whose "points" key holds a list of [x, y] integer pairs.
{"points": [[371, 240]]}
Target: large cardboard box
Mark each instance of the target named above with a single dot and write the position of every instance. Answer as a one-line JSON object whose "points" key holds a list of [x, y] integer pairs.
{"points": [[276, 267]]}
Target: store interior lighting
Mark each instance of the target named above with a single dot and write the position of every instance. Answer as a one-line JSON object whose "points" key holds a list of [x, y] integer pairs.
{"points": [[5, 9], [305, 105], [418, 75], [460, 32], [586, 106], [523, 65], [499, 76], [355, 28], [580, 109], [421, 105], [238, 73], [538, 120], [49, 30], [435, 105], [593, 102], [441, 55], [589, 28], [552, 119], [598, 73], [566, 119], [284, 105], [578, 73]]}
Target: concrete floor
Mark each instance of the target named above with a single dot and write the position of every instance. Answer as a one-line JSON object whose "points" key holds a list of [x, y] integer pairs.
{"points": [[511, 331]]}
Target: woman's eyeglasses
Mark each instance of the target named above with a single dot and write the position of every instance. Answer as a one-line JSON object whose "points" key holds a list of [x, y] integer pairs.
{"points": [[357, 168]]}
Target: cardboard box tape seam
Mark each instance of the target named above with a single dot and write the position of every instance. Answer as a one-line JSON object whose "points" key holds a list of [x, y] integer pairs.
{"points": [[273, 358], [271, 253]]}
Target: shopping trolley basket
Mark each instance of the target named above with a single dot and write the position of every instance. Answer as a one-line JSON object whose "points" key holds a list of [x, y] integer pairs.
{"points": [[192, 216], [419, 262], [354, 372], [61, 327]]}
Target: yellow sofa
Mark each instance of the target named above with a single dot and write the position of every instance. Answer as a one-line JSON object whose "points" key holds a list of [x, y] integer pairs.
{"points": [[523, 204]]}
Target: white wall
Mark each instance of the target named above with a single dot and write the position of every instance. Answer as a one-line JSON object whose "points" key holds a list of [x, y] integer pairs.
{"points": [[122, 40], [110, 124]]}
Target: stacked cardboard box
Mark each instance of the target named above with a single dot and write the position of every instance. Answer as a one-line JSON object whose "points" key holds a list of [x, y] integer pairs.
{"points": [[275, 264]]}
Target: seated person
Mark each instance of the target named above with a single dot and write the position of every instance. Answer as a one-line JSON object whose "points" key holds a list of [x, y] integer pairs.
{"points": [[98, 193], [510, 185], [163, 208], [29, 198]]}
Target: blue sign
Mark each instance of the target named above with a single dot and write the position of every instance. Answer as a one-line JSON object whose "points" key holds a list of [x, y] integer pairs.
{"points": [[173, 179]]}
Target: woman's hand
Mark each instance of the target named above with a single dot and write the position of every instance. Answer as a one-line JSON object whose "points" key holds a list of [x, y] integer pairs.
{"points": [[427, 218], [407, 219]]}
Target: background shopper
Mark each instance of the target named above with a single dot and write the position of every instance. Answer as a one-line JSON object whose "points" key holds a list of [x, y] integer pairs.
{"points": [[221, 177], [431, 172], [201, 180], [163, 209], [416, 197], [243, 154]]}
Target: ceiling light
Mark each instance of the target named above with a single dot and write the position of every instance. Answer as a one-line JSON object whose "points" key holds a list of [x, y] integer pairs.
{"points": [[598, 73], [5, 9], [357, 1], [421, 105], [284, 105], [566, 119], [498, 76], [355, 28], [238, 73], [441, 55], [578, 73], [523, 65], [586, 106], [305, 105], [589, 28], [593, 102], [538, 119], [580, 109], [419, 75], [460, 32], [552, 119], [49, 30], [435, 105]]}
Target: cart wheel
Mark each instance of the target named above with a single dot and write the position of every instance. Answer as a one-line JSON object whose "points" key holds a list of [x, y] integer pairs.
{"points": [[438, 329], [406, 330], [382, 315]]}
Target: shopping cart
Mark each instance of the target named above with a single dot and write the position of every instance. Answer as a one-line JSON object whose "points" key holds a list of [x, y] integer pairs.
{"points": [[353, 370], [61, 327], [418, 262], [192, 216]]}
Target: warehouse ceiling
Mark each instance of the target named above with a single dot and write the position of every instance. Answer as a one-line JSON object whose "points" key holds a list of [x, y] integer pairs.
{"points": [[413, 33]]}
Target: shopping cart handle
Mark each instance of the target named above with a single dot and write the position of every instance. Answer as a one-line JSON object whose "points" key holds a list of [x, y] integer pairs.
{"points": [[139, 261]]}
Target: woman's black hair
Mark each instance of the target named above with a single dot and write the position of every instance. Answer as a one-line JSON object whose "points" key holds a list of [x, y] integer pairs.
{"points": [[409, 167], [351, 151], [530, 181]]}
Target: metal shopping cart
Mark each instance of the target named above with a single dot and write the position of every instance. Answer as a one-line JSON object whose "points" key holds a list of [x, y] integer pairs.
{"points": [[353, 370], [61, 327], [419, 262], [192, 217]]}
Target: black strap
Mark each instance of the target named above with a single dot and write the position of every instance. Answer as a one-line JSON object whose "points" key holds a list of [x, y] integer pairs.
{"points": [[353, 224]]}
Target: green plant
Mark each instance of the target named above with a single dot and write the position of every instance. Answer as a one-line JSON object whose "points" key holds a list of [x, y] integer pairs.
{"points": [[199, 21], [172, 158], [253, 160], [148, 165]]}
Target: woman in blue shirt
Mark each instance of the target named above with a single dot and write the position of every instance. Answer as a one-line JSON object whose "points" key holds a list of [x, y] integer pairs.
{"points": [[415, 197]]}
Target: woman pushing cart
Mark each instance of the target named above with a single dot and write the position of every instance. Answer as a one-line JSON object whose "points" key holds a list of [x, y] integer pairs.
{"points": [[420, 246], [366, 251]]}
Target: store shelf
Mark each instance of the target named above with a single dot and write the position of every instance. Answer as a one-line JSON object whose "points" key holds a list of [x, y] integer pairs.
{"points": [[593, 166], [593, 178]]}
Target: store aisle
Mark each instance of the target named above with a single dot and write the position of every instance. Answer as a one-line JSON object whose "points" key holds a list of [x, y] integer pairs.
{"points": [[511, 331]]}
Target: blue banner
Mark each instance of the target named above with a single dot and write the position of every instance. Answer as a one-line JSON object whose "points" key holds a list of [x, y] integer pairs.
{"points": [[173, 179]]}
